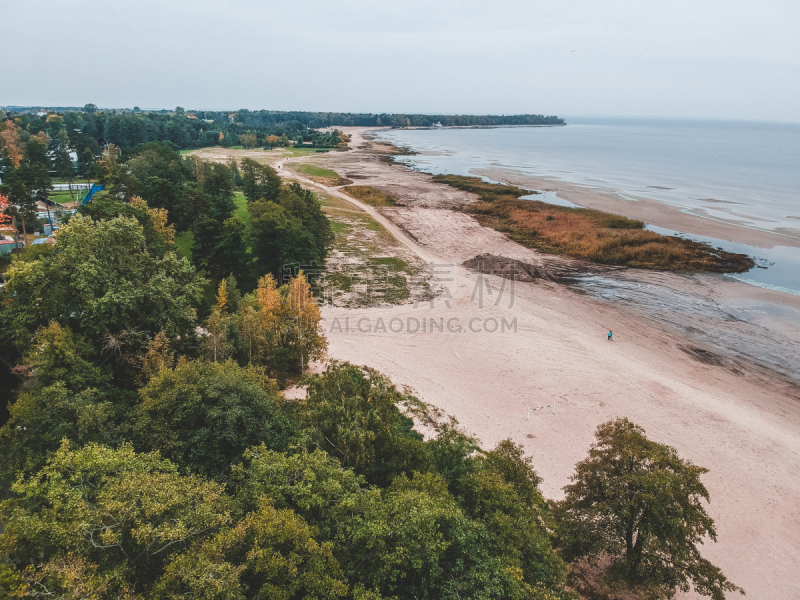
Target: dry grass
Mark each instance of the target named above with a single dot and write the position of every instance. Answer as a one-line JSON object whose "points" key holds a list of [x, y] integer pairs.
{"points": [[589, 234], [369, 195], [604, 238]]}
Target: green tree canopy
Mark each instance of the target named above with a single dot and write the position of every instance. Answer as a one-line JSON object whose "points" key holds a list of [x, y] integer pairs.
{"points": [[259, 182], [104, 284], [637, 504], [104, 523], [353, 416], [204, 415], [293, 230]]}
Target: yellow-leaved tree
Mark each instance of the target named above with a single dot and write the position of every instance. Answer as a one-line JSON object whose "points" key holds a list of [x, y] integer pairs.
{"points": [[302, 333], [280, 326], [218, 326], [160, 217], [13, 147]]}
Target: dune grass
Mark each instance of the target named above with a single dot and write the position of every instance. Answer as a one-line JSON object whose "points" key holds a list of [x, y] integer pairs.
{"points": [[369, 195], [294, 151], [323, 176], [589, 234]]}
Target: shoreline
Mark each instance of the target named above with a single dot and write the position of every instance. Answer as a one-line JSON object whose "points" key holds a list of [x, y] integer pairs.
{"points": [[640, 208], [673, 219], [692, 366], [703, 363], [645, 209]]}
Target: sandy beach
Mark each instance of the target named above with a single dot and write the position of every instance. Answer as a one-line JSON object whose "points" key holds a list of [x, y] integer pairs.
{"points": [[705, 364]]}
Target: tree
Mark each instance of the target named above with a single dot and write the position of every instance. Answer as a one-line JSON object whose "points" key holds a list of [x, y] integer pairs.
{"points": [[203, 415], [313, 484], [102, 523], [278, 238], [158, 236], [231, 255], [259, 181], [63, 161], [217, 184], [301, 333], [104, 285], [249, 140], [271, 553], [221, 251], [353, 416], [272, 141], [637, 505], [13, 147]]}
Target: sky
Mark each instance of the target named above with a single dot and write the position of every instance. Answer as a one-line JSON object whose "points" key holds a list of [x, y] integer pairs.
{"points": [[726, 59]]}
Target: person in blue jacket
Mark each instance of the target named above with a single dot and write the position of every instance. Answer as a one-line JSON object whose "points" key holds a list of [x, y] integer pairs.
{"points": [[609, 336]]}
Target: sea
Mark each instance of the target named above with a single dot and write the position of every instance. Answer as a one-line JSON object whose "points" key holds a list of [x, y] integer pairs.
{"points": [[745, 173]]}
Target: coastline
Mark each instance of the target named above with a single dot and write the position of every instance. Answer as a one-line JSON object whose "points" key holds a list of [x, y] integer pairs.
{"points": [[704, 363], [645, 209]]}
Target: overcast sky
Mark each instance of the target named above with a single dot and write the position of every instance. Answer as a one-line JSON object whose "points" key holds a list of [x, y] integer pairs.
{"points": [[708, 58]]}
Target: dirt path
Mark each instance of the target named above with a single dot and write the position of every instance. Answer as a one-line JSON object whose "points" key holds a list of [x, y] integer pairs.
{"points": [[704, 364], [335, 191]]}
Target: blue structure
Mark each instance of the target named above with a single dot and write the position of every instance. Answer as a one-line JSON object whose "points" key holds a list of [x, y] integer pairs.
{"points": [[92, 191]]}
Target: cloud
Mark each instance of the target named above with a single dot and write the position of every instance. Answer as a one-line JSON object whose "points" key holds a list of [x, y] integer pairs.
{"points": [[684, 59]]}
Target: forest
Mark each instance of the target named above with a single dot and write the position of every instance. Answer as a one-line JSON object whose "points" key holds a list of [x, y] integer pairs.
{"points": [[150, 452], [91, 128]]}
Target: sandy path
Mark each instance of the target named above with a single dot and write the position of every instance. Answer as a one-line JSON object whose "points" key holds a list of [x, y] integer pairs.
{"points": [[742, 425], [740, 419]]}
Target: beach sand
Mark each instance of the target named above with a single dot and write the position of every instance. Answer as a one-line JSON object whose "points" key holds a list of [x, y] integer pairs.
{"points": [[705, 364]]}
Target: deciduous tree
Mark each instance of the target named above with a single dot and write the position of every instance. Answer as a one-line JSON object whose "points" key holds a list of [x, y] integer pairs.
{"points": [[638, 506], [203, 415]]}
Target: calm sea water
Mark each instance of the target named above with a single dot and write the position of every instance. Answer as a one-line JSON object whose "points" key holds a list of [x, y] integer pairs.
{"points": [[739, 172]]}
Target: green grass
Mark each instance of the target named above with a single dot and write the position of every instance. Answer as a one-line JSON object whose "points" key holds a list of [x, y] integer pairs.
{"points": [[300, 151], [390, 261], [241, 208], [184, 240], [316, 171], [186, 151], [337, 227], [62, 197]]}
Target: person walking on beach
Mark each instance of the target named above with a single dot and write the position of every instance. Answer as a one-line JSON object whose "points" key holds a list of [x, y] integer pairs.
{"points": [[609, 336]]}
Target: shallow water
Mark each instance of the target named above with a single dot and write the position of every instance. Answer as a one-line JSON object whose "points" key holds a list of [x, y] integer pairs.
{"points": [[776, 268], [743, 173]]}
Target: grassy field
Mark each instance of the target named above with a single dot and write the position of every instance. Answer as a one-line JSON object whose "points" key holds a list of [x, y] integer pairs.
{"points": [[369, 195], [316, 171], [589, 234], [241, 208], [63, 197], [303, 151], [320, 175]]}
